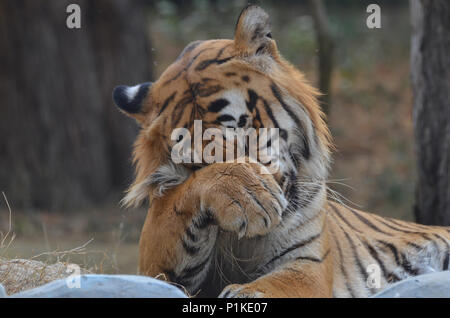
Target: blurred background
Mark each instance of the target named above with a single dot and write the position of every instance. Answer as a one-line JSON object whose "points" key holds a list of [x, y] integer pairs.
{"points": [[65, 150]]}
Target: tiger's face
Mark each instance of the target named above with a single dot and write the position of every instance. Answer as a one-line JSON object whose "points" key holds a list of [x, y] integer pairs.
{"points": [[242, 83]]}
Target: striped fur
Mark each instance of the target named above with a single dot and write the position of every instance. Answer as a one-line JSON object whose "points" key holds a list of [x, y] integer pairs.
{"points": [[225, 228]]}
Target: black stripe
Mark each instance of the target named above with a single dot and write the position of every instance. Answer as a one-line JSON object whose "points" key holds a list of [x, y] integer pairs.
{"points": [[283, 132], [179, 109], [446, 261], [205, 64], [276, 92], [445, 264], [204, 219], [308, 194], [190, 272], [413, 226], [422, 234], [267, 145], [368, 223], [400, 258], [416, 246], [306, 149], [433, 242], [204, 90], [190, 249], [270, 113], [441, 239], [361, 268], [393, 250], [167, 102], [389, 277], [191, 235], [283, 178], [291, 191], [344, 219], [253, 99], [295, 154], [242, 121], [407, 266], [341, 263], [258, 118], [226, 294], [175, 209], [171, 275], [225, 117], [266, 187], [314, 259], [217, 105], [190, 47], [292, 195], [187, 66], [266, 222], [385, 221], [197, 112], [293, 247]]}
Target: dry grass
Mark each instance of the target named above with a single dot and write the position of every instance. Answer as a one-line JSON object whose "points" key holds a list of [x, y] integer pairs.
{"points": [[7, 238], [27, 262], [21, 274]]}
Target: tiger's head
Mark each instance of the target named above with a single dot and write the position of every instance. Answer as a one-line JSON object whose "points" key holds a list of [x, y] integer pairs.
{"points": [[240, 83]]}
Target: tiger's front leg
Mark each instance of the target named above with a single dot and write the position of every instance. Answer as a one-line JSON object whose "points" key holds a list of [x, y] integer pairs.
{"points": [[181, 228], [302, 278]]}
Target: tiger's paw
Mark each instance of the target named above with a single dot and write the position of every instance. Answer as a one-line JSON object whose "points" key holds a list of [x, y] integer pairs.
{"points": [[242, 199], [241, 291]]}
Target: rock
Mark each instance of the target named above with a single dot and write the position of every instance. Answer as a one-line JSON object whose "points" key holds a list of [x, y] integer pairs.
{"points": [[434, 285], [2, 291], [104, 286], [20, 274]]}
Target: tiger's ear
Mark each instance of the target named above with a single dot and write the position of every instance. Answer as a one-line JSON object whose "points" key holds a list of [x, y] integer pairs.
{"points": [[132, 100], [253, 31]]}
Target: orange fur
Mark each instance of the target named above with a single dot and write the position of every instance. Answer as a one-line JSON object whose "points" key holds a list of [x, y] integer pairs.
{"points": [[321, 251]]}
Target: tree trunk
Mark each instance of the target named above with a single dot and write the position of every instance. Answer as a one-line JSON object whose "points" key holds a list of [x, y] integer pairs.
{"points": [[430, 70], [63, 144], [325, 48]]}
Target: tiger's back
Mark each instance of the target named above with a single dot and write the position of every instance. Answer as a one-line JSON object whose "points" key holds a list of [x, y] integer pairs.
{"points": [[363, 252], [371, 252]]}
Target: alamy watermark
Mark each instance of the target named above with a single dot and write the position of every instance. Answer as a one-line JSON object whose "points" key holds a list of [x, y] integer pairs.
{"points": [[73, 20], [374, 19], [374, 276], [214, 145], [74, 279]]}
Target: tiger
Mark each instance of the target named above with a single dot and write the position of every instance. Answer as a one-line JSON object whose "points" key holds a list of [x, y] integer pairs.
{"points": [[228, 230]]}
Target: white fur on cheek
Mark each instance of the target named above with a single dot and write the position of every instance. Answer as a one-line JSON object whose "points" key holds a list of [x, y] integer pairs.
{"points": [[168, 176], [164, 178], [236, 106]]}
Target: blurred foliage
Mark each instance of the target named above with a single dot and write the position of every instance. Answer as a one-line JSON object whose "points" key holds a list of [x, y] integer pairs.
{"points": [[176, 23]]}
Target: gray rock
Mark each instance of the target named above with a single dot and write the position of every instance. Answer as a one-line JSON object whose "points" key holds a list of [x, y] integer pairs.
{"points": [[434, 285], [104, 286], [2, 291]]}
